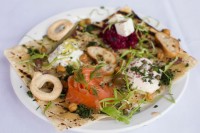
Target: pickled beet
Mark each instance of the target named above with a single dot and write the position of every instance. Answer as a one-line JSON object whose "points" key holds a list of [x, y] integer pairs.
{"points": [[117, 41]]}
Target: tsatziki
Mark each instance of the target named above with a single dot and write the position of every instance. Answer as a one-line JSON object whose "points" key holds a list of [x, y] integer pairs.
{"points": [[88, 70]]}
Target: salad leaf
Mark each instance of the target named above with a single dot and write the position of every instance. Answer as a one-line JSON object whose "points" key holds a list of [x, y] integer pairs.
{"points": [[38, 56], [170, 64], [116, 114]]}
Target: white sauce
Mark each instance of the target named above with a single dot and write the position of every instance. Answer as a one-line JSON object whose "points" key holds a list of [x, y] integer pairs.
{"points": [[146, 82], [66, 53]]}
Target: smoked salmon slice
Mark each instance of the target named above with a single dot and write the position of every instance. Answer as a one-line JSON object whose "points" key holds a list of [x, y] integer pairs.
{"points": [[90, 93]]}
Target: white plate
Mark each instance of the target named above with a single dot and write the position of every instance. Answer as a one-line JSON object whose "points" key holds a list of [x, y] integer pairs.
{"points": [[105, 125]]}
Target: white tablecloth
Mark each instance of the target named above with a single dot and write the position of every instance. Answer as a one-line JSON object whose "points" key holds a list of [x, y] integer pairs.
{"points": [[18, 16]]}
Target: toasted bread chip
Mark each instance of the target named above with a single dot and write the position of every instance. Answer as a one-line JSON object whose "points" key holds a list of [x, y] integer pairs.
{"points": [[169, 44]]}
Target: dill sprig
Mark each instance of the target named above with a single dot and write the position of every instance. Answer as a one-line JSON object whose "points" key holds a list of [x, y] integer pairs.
{"points": [[79, 77], [95, 73]]}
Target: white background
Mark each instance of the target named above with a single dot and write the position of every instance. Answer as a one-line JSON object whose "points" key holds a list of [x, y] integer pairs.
{"points": [[18, 16]]}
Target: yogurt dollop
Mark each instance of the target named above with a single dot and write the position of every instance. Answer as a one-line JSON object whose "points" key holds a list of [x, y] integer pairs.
{"points": [[142, 76]]}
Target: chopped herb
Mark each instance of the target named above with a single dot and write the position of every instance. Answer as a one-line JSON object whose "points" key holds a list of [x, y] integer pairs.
{"points": [[83, 111], [187, 65], [167, 77], [91, 44], [155, 106], [37, 107], [90, 28], [32, 51], [29, 93], [136, 70], [69, 69], [62, 96], [48, 105]]}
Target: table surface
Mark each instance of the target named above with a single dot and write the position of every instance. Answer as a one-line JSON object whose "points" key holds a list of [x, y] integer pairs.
{"points": [[18, 16]]}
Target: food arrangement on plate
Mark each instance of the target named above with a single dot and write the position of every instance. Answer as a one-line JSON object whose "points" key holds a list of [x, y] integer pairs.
{"points": [[85, 71]]}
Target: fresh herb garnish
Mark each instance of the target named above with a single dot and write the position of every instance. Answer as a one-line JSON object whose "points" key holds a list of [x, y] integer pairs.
{"points": [[108, 27], [116, 114], [29, 93], [129, 15], [35, 57], [170, 64], [90, 28], [38, 56], [32, 51], [83, 111], [94, 90], [69, 69], [128, 85], [95, 73], [141, 29], [137, 70], [114, 106], [62, 96], [48, 105], [79, 77], [136, 109], [167, 77], [139, 52], [167, 74], [187, 65], [91, 44], [37, 108]]}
